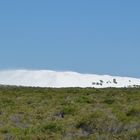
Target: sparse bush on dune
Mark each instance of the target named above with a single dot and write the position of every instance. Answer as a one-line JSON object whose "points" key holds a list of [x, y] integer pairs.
{"points": [[69, 113]]}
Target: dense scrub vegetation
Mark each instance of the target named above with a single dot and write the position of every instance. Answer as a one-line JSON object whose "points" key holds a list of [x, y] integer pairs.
{"points": [[69, 114]]}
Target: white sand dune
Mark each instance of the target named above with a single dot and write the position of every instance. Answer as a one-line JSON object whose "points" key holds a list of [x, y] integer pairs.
{"points": [[47, 78]]}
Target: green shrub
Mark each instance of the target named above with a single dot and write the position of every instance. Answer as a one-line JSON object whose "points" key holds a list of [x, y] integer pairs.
{"points": [[109, 101], [135, 111], [51, 127], [69, 113]]}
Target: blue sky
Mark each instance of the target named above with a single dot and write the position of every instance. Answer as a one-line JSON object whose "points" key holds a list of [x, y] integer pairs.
{"points": [[88, 36]]}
